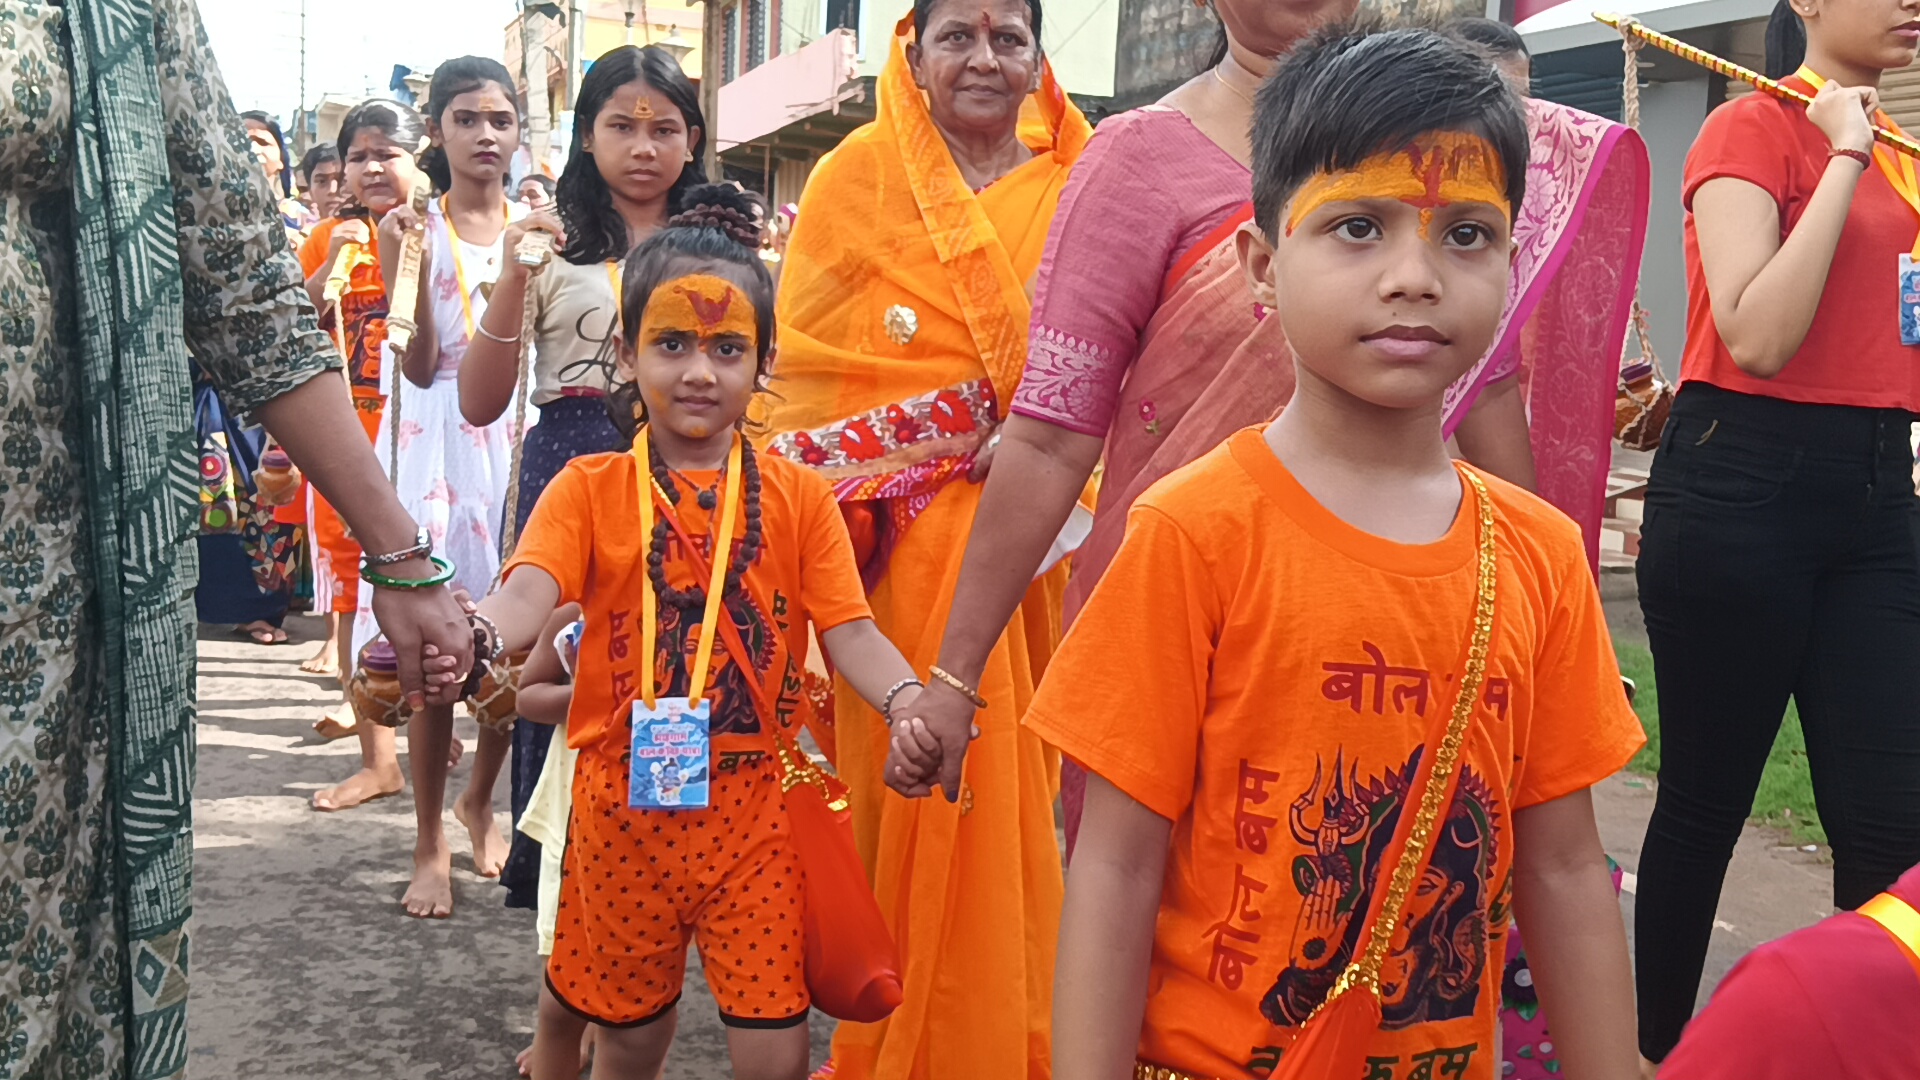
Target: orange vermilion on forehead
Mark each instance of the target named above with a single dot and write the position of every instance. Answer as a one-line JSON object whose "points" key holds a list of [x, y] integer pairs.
{"points": [[493, 103], [702, 305], [1436, 170]]}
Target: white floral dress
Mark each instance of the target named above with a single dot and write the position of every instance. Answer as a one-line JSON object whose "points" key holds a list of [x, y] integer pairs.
{"points": [[453, 476]]}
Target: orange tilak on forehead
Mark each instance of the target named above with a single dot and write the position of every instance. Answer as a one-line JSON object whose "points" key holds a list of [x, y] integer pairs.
{"points": [[1436, 170], [702, 305], [491, 102]]}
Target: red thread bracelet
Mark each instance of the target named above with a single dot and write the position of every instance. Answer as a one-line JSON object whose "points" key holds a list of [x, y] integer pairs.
{"points": [[1865, 159]]}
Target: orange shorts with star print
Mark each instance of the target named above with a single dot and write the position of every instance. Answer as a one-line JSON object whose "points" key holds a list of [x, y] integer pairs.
{"points": [[638, 885]]}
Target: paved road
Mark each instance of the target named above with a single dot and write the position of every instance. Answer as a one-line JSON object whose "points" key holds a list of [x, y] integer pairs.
{"points": [[304, 966], [305, 969]]}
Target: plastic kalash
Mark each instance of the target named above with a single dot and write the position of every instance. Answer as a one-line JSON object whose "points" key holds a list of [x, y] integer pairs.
{"points": [[375, 690], [277, 481]]}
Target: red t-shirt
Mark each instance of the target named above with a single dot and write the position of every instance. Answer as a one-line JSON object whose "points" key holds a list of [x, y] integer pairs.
{"points": [[1852, 354], [1837, 1001]]}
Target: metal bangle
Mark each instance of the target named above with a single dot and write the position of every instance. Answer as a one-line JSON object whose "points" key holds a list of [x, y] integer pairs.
{"points": [[422, 548], [494, 648], [491, 336], [381, 581], [966, 691], [886, 704]]}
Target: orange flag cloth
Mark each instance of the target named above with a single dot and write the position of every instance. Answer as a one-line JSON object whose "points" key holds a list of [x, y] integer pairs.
{"points": [[903, 318]]}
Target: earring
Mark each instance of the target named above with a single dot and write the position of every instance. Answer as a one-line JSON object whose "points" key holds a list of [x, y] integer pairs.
{"points": [[639, 410]]}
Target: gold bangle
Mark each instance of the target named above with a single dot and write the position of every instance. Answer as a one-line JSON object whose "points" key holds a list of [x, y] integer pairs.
{"points": [[966, 691]]}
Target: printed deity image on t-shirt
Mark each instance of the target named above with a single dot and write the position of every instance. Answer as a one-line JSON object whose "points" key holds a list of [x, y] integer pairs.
{"points": [[1439, 952]]}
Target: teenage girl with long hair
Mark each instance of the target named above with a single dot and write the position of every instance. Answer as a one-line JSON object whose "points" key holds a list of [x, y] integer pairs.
{"points": [[1779, 559], [636, 151], [452, 475], [378, 143]]}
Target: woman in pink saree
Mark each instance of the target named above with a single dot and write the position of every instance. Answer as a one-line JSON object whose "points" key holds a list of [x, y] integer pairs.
{"points": [[1145, 354]]}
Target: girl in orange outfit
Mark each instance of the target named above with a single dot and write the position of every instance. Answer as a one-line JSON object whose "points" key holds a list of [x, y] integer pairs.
{"points": [[639, 883], [378, 141]]}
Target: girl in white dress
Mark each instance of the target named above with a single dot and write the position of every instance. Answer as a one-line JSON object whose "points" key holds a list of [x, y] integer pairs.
{"points": [[452, 475]]}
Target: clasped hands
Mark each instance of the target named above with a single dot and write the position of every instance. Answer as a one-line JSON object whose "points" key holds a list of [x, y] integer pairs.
{"points": [[433, 641], [930, 733]]}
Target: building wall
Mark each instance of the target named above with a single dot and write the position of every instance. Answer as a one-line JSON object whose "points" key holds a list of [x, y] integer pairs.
{"points": [[1160, 44], [607, 30], [1670, 118]]}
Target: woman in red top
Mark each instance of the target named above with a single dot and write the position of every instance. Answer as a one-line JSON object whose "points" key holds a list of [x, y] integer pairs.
{"points": [[1779, 556]]}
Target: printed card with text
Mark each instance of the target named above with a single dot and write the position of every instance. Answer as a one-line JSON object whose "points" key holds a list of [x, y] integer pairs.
{"points": [[669, 767]]}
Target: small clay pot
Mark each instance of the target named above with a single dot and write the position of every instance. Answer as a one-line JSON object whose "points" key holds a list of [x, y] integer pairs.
{"points": [[375, 688], [495, 705]]}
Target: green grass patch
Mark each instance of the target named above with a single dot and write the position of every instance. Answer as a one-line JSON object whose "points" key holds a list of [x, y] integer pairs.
{"points": [[1785, 797]]}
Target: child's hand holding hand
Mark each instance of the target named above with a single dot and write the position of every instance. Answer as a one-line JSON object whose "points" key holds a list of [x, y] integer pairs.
{"points": [[913, 763]]}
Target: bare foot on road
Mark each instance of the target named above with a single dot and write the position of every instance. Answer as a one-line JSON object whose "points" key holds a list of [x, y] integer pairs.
{"points": [[337, 723], [362, 787], [430, 894], [324, 662], [524, 1061], [489, 846]]}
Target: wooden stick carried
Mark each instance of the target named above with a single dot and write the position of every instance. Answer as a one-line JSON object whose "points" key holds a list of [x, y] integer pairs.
{"points": [[1628, 25], [406, 285]]}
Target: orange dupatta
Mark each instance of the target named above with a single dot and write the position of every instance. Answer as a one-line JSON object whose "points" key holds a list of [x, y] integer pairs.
{"points": [[900, 282], [890, 239]]}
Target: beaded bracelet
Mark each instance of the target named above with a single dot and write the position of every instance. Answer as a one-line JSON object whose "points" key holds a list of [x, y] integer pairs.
{"points": [[886, 704], [381, 581], [1864, 159], [480, 621]]}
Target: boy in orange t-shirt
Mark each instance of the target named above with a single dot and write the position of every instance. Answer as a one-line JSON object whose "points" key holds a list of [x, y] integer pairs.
{"points": [[1264, 680]]}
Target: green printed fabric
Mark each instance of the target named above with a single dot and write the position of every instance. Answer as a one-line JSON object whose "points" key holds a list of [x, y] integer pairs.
{"points": [[135, 229]]}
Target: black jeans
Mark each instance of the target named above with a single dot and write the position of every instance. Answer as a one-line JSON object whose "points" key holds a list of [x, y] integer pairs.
{"points": [[1780, 558]]}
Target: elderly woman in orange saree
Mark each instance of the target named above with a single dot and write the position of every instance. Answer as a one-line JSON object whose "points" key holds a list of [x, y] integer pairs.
{"points": [[903, 320]]}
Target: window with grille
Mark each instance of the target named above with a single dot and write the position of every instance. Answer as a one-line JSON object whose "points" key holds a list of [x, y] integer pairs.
{"points": [[730, 46], [756, 33], [843, 14]]}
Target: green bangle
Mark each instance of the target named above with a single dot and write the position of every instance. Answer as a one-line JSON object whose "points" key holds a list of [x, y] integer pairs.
{"points": [[381, 581]]}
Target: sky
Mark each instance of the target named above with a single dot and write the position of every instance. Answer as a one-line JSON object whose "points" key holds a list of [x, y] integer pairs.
{"points": [[351, 45]]}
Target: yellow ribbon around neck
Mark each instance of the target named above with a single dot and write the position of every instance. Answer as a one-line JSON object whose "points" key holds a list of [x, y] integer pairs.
{"points": [[459, 264], [1896, 167], [730, 485]]}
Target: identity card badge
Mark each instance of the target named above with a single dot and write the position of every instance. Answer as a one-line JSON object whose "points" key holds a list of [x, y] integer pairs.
{"points": [[668, 769], [1909, 301]]}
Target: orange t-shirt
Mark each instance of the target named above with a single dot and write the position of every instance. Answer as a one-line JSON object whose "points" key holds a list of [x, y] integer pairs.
{"points": [[1263, 675], [363, 307], [585, 531]]}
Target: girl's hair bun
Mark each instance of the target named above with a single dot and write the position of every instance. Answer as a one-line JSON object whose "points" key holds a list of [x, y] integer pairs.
{"points": [[720, 206]]}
